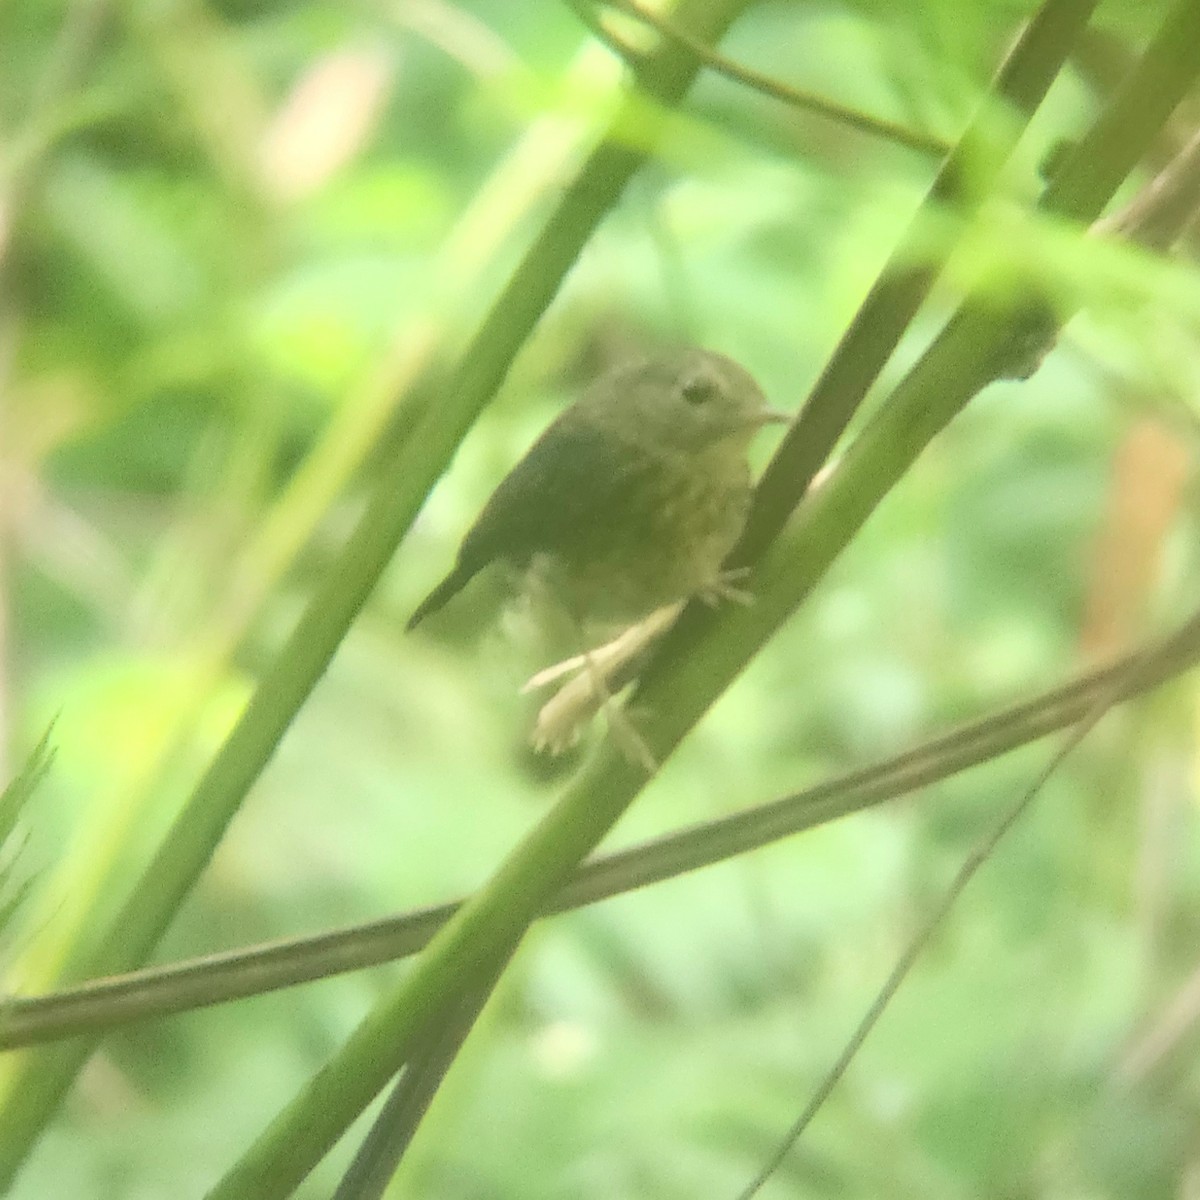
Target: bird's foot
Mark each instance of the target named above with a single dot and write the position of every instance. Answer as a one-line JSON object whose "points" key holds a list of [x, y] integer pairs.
{"points": [[629, 740], [608, 660], [561, 719], [725, 588]]}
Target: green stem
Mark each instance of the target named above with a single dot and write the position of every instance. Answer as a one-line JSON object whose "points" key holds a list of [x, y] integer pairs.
{"points": [[237, 974], [704, 652], [36, 1087], [961, 185], [961, 361]]}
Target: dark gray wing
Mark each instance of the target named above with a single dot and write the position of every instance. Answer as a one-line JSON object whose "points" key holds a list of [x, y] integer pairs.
{"points": [[570, 495], [577, 490]]}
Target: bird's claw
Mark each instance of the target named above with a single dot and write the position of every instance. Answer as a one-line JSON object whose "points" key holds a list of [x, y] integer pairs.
{"points": [[724, 588]]}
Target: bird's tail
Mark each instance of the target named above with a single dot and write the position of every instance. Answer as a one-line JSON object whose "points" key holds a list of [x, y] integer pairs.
{"points": [[450, 586]]}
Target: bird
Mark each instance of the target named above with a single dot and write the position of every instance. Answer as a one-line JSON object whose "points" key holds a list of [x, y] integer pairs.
{"points": [[631, 498]]}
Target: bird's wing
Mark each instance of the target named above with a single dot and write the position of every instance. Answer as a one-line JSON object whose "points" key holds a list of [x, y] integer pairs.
{"points": [[570, 494]]}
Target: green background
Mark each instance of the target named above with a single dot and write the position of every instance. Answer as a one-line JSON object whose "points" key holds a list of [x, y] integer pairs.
{"points": [[192, 303]]}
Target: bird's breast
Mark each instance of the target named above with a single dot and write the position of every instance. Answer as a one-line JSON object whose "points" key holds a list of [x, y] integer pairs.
{"points": [[663, 541]]}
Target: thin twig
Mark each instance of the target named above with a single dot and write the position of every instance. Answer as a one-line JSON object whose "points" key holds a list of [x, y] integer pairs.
{"points": [[236, 974], [1162, 211], [924, 935], [1176, 1019], [392, 1131], [587, 12]]}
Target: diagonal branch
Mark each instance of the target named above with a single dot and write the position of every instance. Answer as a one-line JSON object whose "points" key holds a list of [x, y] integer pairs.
{"points": [[379, 1155], [588, 12], [236, 974], [924, 935], [1162, 211], [36, 1085]]}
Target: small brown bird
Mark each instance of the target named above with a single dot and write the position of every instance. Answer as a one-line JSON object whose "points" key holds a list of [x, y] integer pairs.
{"points": [[631, 499]]}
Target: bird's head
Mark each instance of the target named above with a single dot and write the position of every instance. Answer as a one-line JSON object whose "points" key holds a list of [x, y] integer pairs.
{"points": [[689, 400]]}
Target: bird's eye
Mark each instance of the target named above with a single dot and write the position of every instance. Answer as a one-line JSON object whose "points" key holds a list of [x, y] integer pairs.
{"points": [[699, 391]]}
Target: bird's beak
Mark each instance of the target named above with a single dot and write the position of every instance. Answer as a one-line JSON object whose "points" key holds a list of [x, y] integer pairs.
{"points": [[772, 416]]}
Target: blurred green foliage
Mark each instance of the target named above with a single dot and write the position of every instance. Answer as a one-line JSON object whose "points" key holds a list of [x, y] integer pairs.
{"points": [[223, 224]]}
